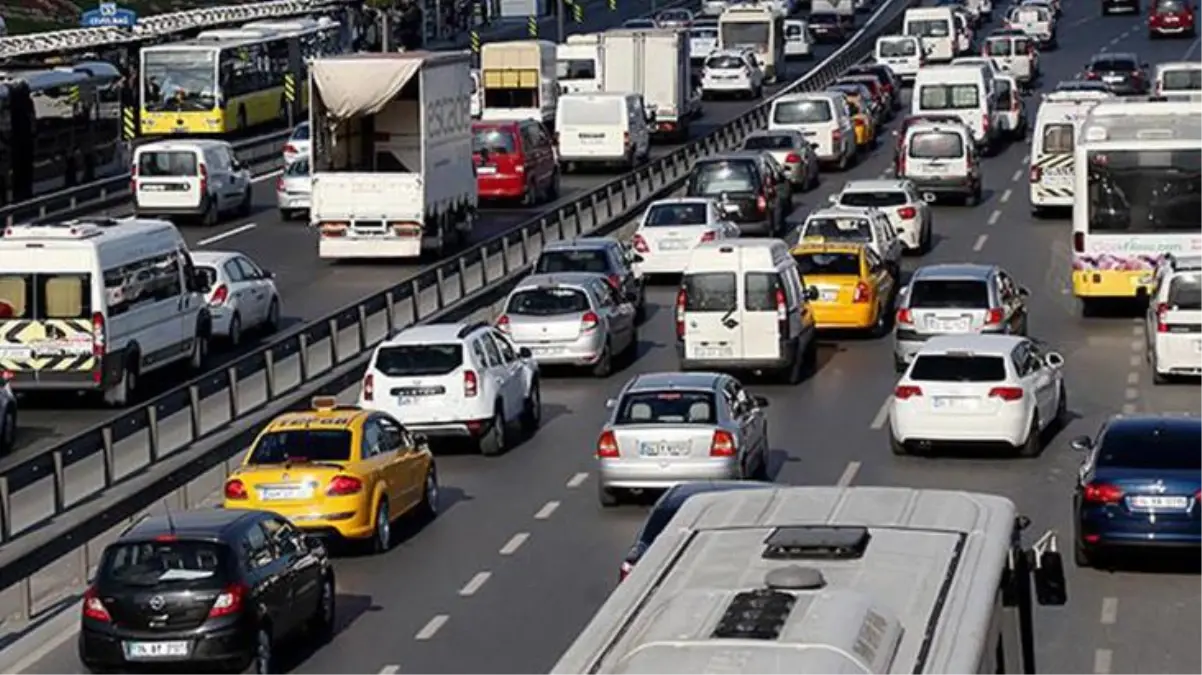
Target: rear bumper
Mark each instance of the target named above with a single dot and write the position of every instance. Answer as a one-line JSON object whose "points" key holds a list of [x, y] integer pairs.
{"points": [[375, 247], [103, 647], [294, 202], [601, 157], [944, 186], [652, 474], [500, 187], [166, 212], [583, 352], [1007, 427], [756, 228], [838, 316], [787, 350]]}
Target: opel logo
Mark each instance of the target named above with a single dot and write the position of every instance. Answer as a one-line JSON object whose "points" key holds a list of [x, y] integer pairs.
{"points": [[157, 603], [1159, 487]]}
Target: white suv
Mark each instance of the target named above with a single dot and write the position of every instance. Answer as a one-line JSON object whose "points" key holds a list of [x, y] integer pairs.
{"points": [[455, 381], [1174, 320]]}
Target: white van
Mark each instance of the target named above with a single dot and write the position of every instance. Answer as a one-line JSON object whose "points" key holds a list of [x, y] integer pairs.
{"points": [[824, 119], [477, 103], [1057, 127], [743, 306], [965, 91], [799, 43], [199, 178], [1037, 21], [936, 27], [602, 128], [1179, 78], [964, 32], [941, 161], [91, 305], [902, 53]]}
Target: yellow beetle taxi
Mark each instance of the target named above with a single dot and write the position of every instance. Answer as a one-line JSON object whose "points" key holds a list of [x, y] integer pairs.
{"points": [[337, 470], [855, 288], [861, 119]]}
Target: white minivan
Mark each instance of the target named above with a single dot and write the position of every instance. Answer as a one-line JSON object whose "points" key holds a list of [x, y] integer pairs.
{"points": [[200, 178], [966, 91], [743, 306], [602, 129], [936, 27], [902, 53], [824, 119]]}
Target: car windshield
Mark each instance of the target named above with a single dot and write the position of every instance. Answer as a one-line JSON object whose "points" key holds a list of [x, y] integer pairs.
{"points": [[166, 561], [936, 145], [949, 294], [955, 368], [838, 229], [301, 132], [547, 302], [715, 178], [882, 198], [573, 260], [667, 215], [418, 359], [301, 445], [667, 407], [1168, 447], [801, 112], [770, 142], [1185, 292], [828, 264]]}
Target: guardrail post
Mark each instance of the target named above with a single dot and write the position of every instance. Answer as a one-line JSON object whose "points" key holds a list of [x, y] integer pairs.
{"points": [[194, 410], [415, 294], [333, 326], [440, 298], [390, 304], [462, 276], [152, 432], [106, 447], [302, 356], [362, 328], [504, 256], [26, 598], [638, 189], [60, 487], [6, 510], [269, 374], [525, 246], [231, 378]]}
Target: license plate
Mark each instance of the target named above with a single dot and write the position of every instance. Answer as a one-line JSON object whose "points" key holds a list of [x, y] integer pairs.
{"points": [[156, 650], [152, 188], [730, 208], [950, 402], [486, 170], [663, 449], [828, 295], [545, 351], [406, 400], [1150, 502], [673, 245], [713, 352], [956, 325], [284, 493], [937, 168], [1112, 79], [592, 141]]}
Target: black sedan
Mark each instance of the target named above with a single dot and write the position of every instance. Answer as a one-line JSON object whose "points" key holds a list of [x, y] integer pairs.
{"points": [[1123, 73]]}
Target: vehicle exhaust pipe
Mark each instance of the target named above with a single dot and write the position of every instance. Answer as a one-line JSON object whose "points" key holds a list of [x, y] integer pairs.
{"points": [[928, 197]]}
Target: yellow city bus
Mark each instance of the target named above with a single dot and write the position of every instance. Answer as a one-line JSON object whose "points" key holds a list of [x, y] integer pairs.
{"points": [[231, 79]]}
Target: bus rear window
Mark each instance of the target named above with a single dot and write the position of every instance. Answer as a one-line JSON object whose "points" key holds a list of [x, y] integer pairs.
{"points": [[45, 296]]}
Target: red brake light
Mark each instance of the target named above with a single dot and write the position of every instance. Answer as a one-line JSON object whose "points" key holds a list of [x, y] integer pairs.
{"points": [[1079, 242], [471, 385], [626, 139], [589, 322], [907, 213], [615, 281], [985, 123], [625, 570], [792, 158], [995, 315], [681, 300], [503, 323], [906, 392], [905, 316], [761, 204], [1091, 75], [858, 122], [279, 184], [863, 293], [1101, 493], [342, 486], [1036, 174], [230, 601], [204, 180], [369, 387], [1007, 393], [836, 136], [782, 307], [235, 489], [219, 295], [1161, 310], [290, 149], [709, 236], [607, 445], [640, 244], [93, 607], [723, 444]]}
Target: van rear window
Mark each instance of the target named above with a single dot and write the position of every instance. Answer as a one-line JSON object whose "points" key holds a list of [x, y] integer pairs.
{"points": [[493, 140], [1058, 139], [599, 111], [167, 163], [948, 96], [1186, 292], [710, 292], [45, 296], [930, 28], [895, 49], [1181, 79], [955, 368], [801, 112], [999, 47], [759, 291], [936, 145]]}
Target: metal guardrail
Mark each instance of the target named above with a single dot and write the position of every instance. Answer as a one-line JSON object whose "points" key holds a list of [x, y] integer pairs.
{"points": [[213, 406]]}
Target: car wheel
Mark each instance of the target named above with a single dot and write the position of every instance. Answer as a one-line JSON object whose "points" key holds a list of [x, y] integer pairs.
{"points": [[235, 336], [881, 326], [428, 509], [1157, 376], [897, 447], [494, 441], [264, 658], [1033, 444], [200, 352], [381, 538], [532, 411], [604, 366], [321, 625], [1082, 555], [760, 470], [209, 217], [1062, 408], [247, 204], [608, 497], [8, 435], [272, 324]]}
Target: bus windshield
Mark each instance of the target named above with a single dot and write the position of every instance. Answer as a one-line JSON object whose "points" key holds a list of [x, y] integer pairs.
{"points": [[179, 79], [1144, 191]]}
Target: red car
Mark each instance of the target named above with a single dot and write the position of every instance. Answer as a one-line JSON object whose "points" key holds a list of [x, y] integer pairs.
{"points": [[515, 160], [1171, 17]]}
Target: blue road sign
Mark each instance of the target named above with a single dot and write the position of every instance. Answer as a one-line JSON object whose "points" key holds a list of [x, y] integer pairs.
{"points": [[109, 14]]}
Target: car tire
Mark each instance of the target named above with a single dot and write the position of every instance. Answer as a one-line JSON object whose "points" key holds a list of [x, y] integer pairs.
{"points": [[1034, 443], [321, 624], [200, 352], [246, 206], [8, 430], [606, 496], [1061, 420], [1157, 376], [897, 447], [973, 198], [553, 188], [760, 470], [427, 510], [121, 394], [494, 442], [272, 323], [605, 365], [1082, 556], [880, 328], [235, 335], [532, 410], [210, 216], [381, 536], [631, 353], [263, 660]]}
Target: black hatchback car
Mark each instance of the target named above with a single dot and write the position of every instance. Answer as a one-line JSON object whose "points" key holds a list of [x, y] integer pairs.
{"points": [[752, 197], [1123, 73], [205, 590]]}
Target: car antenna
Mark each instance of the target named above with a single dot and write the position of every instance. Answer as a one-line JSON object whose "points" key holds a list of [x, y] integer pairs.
{"points": [[170, 520]]}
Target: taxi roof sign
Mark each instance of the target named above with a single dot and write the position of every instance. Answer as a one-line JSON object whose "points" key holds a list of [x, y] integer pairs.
{"points": [[323, 402]]}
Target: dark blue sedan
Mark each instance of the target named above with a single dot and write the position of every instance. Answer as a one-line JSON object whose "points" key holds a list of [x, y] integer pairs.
{"points": [[1139, 486]]}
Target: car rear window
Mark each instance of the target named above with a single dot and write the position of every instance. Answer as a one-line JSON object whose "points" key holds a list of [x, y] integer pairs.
{"points": [[998, 47], [857, 230], [1170, 6], [302, 445], [801, 112], [297, 168], [769, 142], [1113, 65], [166, 562], [949, 294], [710, 292], [547, 302], [878, 199], [45, 296], [419, 359], [573, 260], [950, 368], [897, 48], [831, 264], [1185, 292], [715, 178], [666, 215], [948, 96], [1169, 447], [1181, 79], [936, 145], [301, 132], [724, 62], [667, 407], [494, 140], [167, 163], [704, 33], [932, 28]]}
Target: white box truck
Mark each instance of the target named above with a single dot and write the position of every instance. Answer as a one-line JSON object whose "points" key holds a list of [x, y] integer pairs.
{"points": [[392, 154], [654, 63], [580, 64], [519, 80]]}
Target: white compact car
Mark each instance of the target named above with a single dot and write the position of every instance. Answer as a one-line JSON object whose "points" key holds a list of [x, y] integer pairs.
{"points": [[899, 201], [978, 389], [1174, 320], [799, 43], [455, 381], [199, 178], [297, 146], [732, 72], [242, 296], [672, 228]]}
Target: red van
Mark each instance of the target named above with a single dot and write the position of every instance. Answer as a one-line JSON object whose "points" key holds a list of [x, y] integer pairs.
{"points": [[514, 159]]}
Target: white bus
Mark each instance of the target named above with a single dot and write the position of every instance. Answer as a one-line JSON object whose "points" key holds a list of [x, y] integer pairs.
{"points": [[828, 580], [758, 27], [1138, 177]]}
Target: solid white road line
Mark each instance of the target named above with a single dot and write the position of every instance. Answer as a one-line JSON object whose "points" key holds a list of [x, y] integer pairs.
{"points": [[849, 474], [227, 234], [431, 628], [469, 589], [515, 542]]}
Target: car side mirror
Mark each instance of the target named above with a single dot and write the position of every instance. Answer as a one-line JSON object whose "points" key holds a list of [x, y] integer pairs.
{"points": [[268, 274], [199, 283], [1144, 66], [525, 352], [811, 293], [760, 401], [636, 258], [611, 403], [313, 542], [1081, 444], [834, 199], [1024, 291], [1053, 360], [813, 146]]}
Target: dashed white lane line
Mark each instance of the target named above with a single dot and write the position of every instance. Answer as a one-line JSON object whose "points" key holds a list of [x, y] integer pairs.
{"points": [[226, 235], [1017, 176], [474, 584], [1007, 195], [390, 670], [577, 480], [515, 542], [1131, 393], [994, 217], [849, 474], [432, 627], [1133, 378], [1026, 158], [1101, 661], [881, 415], [1110, 611], [1135, 360], [980, 243], [1137, 345], [546, 511]]}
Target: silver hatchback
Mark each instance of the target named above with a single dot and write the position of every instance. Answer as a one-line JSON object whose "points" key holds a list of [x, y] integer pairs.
{"points": [[669, 428], [571, 319], [294, 190], [956, 298]]}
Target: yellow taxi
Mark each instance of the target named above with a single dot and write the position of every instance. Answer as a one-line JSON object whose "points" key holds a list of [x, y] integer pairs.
{"points": [[854, 285], [337, 470], [861, 119]]}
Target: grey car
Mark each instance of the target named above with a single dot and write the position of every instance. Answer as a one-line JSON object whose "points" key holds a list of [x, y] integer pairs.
{"points": [[792, 151], [670, 428], [294, 190], [571, 319], [607, 256], [956, 298]]}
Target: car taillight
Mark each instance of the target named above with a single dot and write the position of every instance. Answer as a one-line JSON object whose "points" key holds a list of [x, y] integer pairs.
{"points": [[708, 236], [607, 445], [723, 444], [235, 489], [589, 322], [984, 50], [862, 294], [1036, 174], [342, 486], [625, 570], [901, 159], [219, 295], [1139, 74], [1007, 393], [615, 282], [858, 122], [782, 311], [1079, 242], [290, 149], [626, 139], [906, 392], [681, 299], [471, 384], [503, 323], [1101, 493], [279, 184], [230, 601], [1015, 101], [994, 315], [98, 340], [1091, 75], [761, 204], [640, 244], [204, 180], [907, 213], [836, 137], [133, 177], [905, 316], [369, 387], [93, 607], [985, 123], [1161, 310], [792, 158]]}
